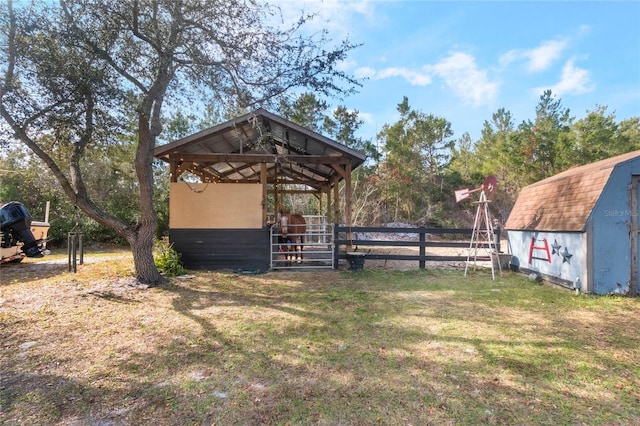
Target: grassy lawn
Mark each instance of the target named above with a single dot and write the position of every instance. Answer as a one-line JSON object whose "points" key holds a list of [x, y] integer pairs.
{"points": [[338, 347]]}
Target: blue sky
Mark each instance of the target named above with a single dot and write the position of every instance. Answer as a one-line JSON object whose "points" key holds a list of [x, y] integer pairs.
{"points": [[462, 60]]}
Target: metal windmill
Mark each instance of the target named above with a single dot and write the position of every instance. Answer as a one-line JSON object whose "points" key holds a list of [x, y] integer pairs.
{"points": [[482, 235]]}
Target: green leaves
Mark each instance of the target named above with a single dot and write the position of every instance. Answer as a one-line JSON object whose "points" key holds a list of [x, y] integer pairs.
{"points": [[166, 259], [418, 149]]}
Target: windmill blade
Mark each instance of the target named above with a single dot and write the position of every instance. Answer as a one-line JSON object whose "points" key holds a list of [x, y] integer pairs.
{"points": [[462, 194], [490, 184]]}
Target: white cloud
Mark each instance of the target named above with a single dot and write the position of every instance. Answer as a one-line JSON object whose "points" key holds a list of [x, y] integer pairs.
{"points": [[541, 57], [346, 65], [538, 58], [367, 117], [365, 72], [584, 30], [335, 16], [414, 78], [574, 81], [460, 72]]}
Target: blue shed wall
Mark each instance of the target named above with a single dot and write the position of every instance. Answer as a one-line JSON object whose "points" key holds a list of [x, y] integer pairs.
{"points": [[560, 257], [609, 220], [600, 256]]}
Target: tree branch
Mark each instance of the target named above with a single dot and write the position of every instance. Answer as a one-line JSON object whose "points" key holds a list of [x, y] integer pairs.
{"points": [[100, 52]]}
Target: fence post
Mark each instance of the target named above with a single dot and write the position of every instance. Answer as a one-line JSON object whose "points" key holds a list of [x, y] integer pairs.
{"points": [[74, 243], [71, 251], [81, 247], [422, 248]]}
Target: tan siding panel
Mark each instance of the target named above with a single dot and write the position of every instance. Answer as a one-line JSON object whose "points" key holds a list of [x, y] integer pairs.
{"points": [[215, 206]]}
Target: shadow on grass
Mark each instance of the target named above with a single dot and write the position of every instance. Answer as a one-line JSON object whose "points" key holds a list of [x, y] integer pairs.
{"points": [[28, 271], [342, 348], [348, 336]]}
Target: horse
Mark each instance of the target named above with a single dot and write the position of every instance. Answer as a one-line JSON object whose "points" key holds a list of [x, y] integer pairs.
{"points": [[292, 230]]}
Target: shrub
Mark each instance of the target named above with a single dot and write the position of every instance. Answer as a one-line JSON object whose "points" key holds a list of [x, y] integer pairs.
{"points": [[167, 260]]}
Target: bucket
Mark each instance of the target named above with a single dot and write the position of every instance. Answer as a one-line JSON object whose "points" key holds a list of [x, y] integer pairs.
{"points": [[504, 259], [356, 261]]}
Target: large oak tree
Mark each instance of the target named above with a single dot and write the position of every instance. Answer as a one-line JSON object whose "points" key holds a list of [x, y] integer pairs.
{"points": [[72, 71]]}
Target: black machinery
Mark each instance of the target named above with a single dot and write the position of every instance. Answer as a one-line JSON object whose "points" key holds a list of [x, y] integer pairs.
{"points": [[16, 235]]}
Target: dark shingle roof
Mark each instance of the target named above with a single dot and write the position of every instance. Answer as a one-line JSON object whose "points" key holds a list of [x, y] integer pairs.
{"points": [[563, 202]]}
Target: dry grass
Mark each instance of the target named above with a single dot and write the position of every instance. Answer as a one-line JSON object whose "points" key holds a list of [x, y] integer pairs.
{"points": [[369, 347]]}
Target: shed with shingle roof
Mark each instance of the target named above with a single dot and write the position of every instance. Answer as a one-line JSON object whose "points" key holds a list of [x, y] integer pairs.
{"points": [[579, 228]]}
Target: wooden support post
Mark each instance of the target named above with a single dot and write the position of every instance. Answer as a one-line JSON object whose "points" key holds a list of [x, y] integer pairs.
{"points": [[347, 202], [336, 200], [173, 171], [263, 182], [329, 201], [347, 195], [276, 200]]}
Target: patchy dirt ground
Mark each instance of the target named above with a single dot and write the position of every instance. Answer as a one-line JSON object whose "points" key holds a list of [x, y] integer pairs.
{"points": [[411, 264], [108, 258]]}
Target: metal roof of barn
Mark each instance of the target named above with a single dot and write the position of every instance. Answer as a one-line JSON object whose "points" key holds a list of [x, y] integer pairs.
{"points": [[235, 150], [563, 202]]}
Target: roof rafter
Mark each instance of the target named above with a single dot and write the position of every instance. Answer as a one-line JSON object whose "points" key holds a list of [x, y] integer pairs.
{"points": [[231, 150]]}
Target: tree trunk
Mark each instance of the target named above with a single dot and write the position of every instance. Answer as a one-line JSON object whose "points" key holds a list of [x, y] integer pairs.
{"points": [[142, 241], [142, 249]]}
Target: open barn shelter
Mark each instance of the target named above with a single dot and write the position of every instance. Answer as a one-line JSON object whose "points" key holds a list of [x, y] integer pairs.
{"points": [[580, 228], [245, 166]]}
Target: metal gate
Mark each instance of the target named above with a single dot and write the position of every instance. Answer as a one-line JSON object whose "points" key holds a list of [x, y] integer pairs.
{"points": [[317, 250]]}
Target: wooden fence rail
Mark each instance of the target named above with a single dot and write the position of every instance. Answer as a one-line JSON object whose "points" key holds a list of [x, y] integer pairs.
{"points": [[343, 241]]}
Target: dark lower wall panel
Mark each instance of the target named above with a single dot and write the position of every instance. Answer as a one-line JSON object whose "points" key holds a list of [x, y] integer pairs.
{"points": [[246, 249]]}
